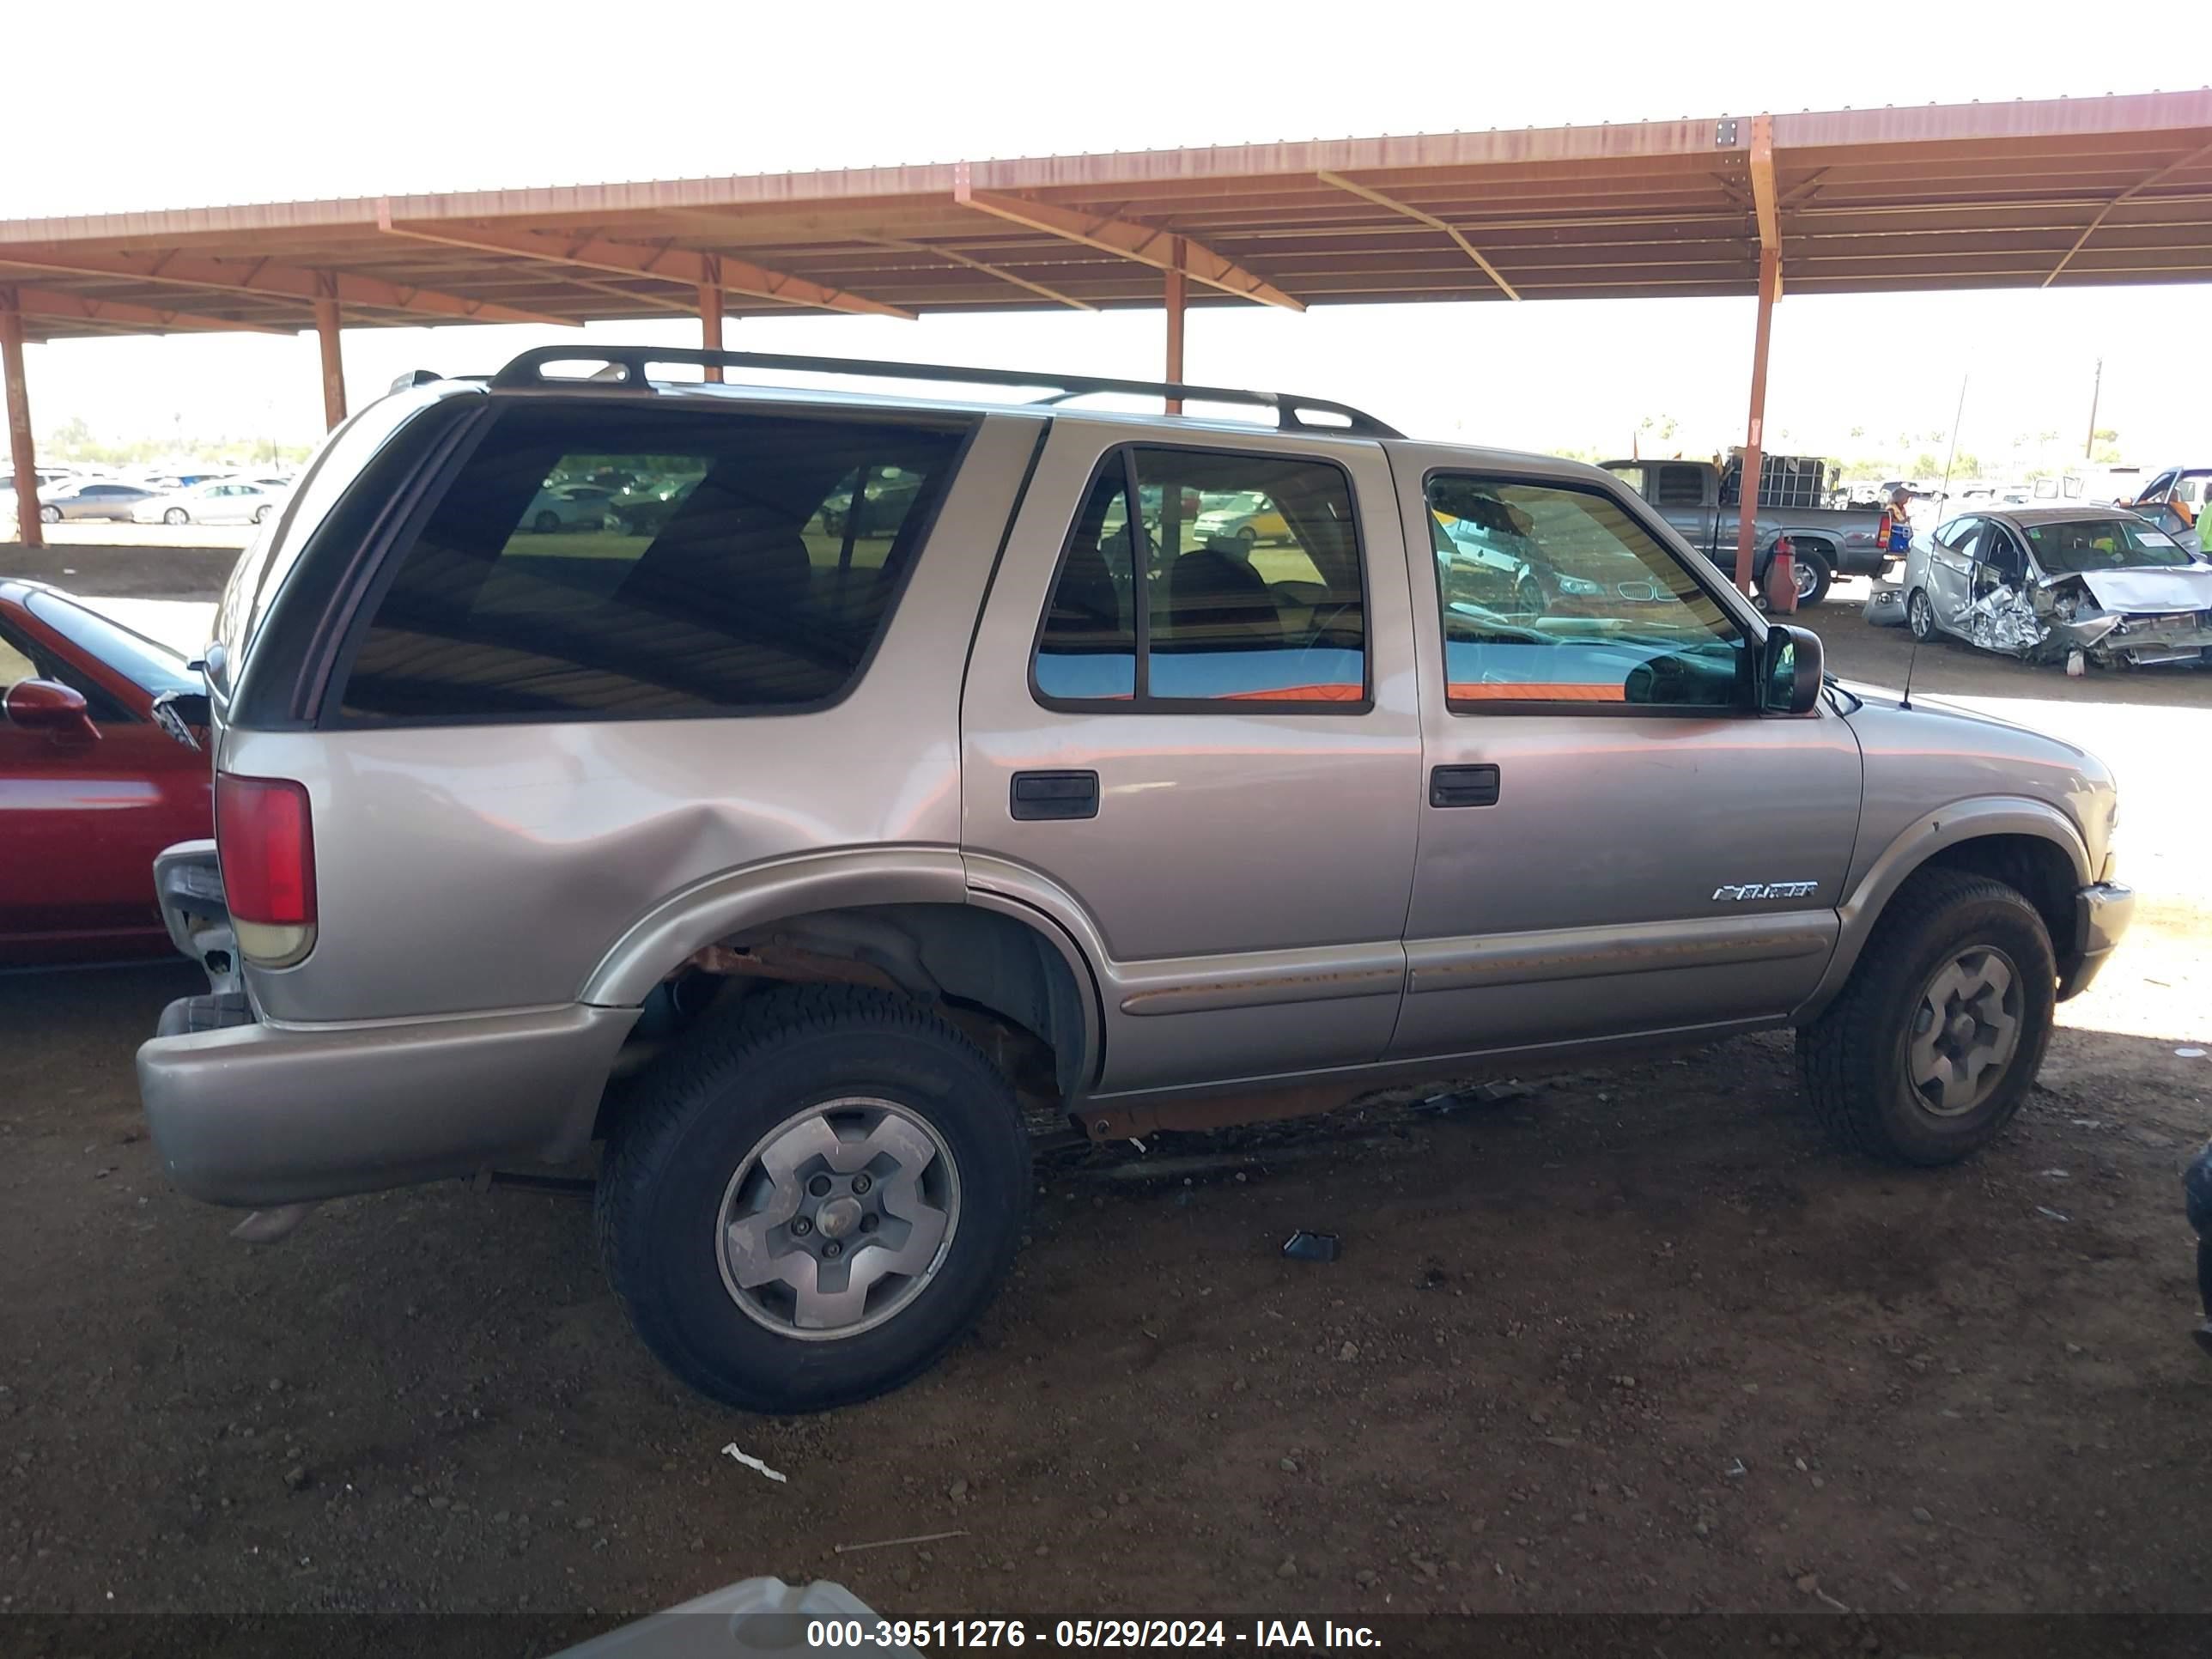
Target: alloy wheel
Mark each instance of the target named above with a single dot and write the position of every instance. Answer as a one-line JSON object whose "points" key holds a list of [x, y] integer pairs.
{"points": [[838, 1218], [1965, 1031]]}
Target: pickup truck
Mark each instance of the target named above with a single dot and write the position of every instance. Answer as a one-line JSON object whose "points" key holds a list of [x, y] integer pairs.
{"points": [[805, 857], [1824, 542]]}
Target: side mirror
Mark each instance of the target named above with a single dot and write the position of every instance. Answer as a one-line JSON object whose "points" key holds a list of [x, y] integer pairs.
{"points": [[182, 715], [44, 706], [1790, 673]]}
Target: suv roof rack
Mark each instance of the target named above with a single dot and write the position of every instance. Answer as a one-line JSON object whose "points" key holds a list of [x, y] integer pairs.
{"points": [[527, 371]]}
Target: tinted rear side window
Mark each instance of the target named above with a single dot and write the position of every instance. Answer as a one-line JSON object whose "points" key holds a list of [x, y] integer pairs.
{"points": [[627, 564]]}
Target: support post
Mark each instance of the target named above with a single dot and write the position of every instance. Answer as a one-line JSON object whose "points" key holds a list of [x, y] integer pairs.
{"points": [[326, 337], [29, 531], [710, 315], [1746, 527], [1178, 295], [2096, 390]]}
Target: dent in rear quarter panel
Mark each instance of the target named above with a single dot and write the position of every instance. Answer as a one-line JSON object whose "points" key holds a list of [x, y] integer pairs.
{"points": [[463, 867]]}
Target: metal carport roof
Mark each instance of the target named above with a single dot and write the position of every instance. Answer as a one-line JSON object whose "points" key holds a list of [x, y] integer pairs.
{"points": [[2066, 193]]}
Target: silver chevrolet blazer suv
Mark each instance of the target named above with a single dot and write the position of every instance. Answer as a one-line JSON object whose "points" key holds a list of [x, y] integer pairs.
{"points": [[810, 793]]}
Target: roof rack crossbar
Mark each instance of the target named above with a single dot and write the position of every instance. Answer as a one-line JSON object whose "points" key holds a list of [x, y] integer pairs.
{"points": [[526, 370]]}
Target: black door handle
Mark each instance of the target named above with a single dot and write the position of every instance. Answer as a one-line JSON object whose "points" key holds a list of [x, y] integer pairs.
{"points": [[1463, 786], [1054, 796]]}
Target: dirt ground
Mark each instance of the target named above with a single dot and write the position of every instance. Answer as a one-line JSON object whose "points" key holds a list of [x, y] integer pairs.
{"points": [[1636, 1340]]}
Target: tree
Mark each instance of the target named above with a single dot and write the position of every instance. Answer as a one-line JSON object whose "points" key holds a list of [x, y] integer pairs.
{"points": [[71, 439]]}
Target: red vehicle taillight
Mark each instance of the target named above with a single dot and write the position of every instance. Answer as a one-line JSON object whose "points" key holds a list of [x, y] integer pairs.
{"points": [[266, 842]]}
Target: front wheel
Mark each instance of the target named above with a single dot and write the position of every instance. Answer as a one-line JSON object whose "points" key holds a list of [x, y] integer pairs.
{"points": [[546, 523], [50, 515], [1920, 615], [1936, 1037], [261, 514], [176, 515], [811, 1203]]}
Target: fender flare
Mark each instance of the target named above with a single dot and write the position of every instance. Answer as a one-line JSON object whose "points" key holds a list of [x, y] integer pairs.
{"points": [[1922, 839], [731, 900]]}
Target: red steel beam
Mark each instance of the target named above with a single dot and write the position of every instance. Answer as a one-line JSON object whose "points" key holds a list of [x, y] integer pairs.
{"points": [[1747, 529], [666, 262], [2105, 212], [29, 530], [1147, 244], [999, 272], [1426, 218], [1763, 193], [326, 340], [260, 277], [710, 316], [84, 308], [1177, 296]]}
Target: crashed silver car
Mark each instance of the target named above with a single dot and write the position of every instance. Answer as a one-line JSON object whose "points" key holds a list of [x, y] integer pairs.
{"points": [[2043, 583]]}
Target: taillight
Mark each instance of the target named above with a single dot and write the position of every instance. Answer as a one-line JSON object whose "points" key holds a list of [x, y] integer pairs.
{"points": [[266, 843]]}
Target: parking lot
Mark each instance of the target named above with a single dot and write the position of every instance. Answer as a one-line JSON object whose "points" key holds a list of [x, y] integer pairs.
{"points": [[1634, 1339]]}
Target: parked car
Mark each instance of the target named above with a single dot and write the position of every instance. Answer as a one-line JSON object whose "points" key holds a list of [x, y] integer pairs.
{"points": [[2042, 583], [567, 506], [2175, 501], [1248, 516], [216, 501], [884, 501], [843, 868], [91, 499], [1825, 543], [93, 779]]}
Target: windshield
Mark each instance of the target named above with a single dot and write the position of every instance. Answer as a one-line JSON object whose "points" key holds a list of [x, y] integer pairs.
{"points": [[2078, 544], [152, 666]]}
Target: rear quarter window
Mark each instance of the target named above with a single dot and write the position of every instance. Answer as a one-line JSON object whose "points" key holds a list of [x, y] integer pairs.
{"points": [[613, 563]]}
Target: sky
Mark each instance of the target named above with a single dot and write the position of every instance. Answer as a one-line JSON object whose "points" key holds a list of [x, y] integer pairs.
{"points": [[285, 101]]}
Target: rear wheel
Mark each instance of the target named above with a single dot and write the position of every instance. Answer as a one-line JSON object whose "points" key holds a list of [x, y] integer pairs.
{"points": [[1920, 615], [1814, 579], [546, 523], [811, 1203], [49, 514], [1936, 1037]]}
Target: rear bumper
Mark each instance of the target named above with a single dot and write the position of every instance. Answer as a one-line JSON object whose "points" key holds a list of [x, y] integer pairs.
{"points": [[1868, 561], [256, 1115], [2101, 914]]}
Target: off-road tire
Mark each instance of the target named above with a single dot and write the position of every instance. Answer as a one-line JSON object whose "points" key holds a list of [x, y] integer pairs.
{"points": [[1851, 1058], [704, 1110]]}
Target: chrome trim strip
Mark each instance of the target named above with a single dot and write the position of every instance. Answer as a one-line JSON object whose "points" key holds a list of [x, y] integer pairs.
{"points": [[1263, 979], [1460, 964]]}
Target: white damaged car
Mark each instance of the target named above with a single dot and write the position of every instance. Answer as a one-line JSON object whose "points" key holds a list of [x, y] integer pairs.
{"points": [[2042, 583]]}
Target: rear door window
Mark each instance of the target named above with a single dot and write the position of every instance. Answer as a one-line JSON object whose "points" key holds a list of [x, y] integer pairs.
{"points": [[1238, 578], [727, 563]]}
